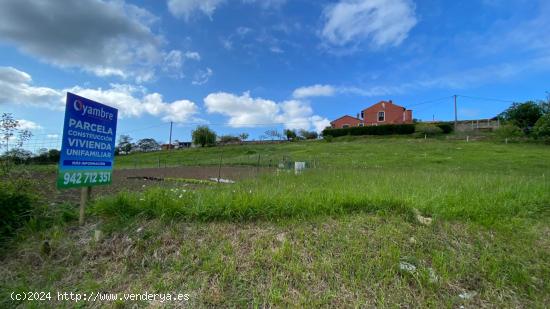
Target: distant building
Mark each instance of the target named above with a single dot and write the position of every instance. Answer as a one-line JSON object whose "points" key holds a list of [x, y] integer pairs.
{"points": [[383, 112], [177, 145]]}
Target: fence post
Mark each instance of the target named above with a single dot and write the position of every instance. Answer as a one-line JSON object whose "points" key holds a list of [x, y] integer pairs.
{"points": [[220, 167], [467, 138], [158, 162], [258, 166]]}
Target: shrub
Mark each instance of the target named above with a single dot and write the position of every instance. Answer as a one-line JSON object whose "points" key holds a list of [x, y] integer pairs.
{"points": [[290, 134], [388, 129], [428, 129], [446, 127], [16, 205], [524, 115], [328, 138], [542, 127], [225, 139], [308, 134], [508, 131], [203, 136]]}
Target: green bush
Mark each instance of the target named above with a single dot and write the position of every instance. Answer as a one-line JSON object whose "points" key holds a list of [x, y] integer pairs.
{"points": [[428, 129], [446, 127], [388, 129], [542, 127], [508, 131], [16, 205]]}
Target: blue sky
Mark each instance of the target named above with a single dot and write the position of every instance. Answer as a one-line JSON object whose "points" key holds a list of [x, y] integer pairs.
{"points": [[253, 65]]}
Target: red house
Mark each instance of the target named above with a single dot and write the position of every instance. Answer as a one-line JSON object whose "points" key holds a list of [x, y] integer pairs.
{"points": [[383, 112]]}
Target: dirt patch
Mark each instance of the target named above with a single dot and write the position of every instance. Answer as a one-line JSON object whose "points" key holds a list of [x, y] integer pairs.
{"points": [[140, 179]]}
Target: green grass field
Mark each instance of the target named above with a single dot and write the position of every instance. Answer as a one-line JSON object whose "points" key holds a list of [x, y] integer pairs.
{"points": [[334, 235]]}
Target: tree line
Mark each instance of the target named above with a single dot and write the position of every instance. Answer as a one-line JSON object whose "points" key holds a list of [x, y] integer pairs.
{"points": [[527, 119]]}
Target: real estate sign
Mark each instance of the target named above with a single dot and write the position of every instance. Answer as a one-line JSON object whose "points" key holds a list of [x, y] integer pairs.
{"points": [[88, 146]]}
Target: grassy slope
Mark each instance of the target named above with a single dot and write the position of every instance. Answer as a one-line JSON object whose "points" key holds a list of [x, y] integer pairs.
{"points": [[332, 236]]}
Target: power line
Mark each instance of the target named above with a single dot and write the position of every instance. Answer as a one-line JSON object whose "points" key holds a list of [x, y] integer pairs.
{"points": [[488, 99], [431, 101]]}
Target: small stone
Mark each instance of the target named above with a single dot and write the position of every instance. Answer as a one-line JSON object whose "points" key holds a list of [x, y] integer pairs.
{"points": [[412, 241], [468, 295], [281, 237], [423, 220], [433, 276], [407, 267], [98, 235]]}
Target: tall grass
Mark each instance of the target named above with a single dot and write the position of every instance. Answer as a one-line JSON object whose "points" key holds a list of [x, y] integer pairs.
{"points": [[461, 195]]}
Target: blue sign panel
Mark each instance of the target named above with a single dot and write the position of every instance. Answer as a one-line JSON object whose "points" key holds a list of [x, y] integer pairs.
{"points": [[88, 146]]}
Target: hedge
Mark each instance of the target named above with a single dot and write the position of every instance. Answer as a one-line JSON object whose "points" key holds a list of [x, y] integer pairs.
{"points": [[387, 129], [446, 127]]}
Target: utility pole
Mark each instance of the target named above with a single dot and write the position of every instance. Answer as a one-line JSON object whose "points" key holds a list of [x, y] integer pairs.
{"points": [[456, 117], [170, 142]]}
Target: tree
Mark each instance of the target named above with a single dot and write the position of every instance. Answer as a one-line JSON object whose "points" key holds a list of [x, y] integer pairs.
{"points": [[308, 134], [509, 131], [203, 136], [542, 127], [53, 155], [290, 134], [18, 155], [243, 136], [224, 139], [545, 105], [125, 143], [9, 127], [524, 115], [428, 129], [273, 134], [148, 144]]}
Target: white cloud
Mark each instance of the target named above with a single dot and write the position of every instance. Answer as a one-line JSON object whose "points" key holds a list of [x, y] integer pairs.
{"points": [[106, 38], [193, 55], [314, 91], [227, 43], [246, 111], [202, 76], [267, 4], [243, 31], [131, 101], [380, 22], [185, 8], [330, 90], [175, 59], [16, 88], [276, 49], [28, 125]]}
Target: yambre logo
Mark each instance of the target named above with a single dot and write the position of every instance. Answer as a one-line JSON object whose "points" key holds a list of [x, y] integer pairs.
{"points": [[84, 109]]}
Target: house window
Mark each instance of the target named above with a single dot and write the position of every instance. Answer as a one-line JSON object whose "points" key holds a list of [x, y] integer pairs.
{"points": [[362, 114], [361, 124], [345, 126], [381, 116]]}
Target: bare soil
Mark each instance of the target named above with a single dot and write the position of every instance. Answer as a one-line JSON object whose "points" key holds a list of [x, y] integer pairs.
{"points": [[140, 179]]}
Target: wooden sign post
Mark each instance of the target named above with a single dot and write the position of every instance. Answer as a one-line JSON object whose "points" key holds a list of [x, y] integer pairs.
{"points": [[88, 147], [85, 195]]}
